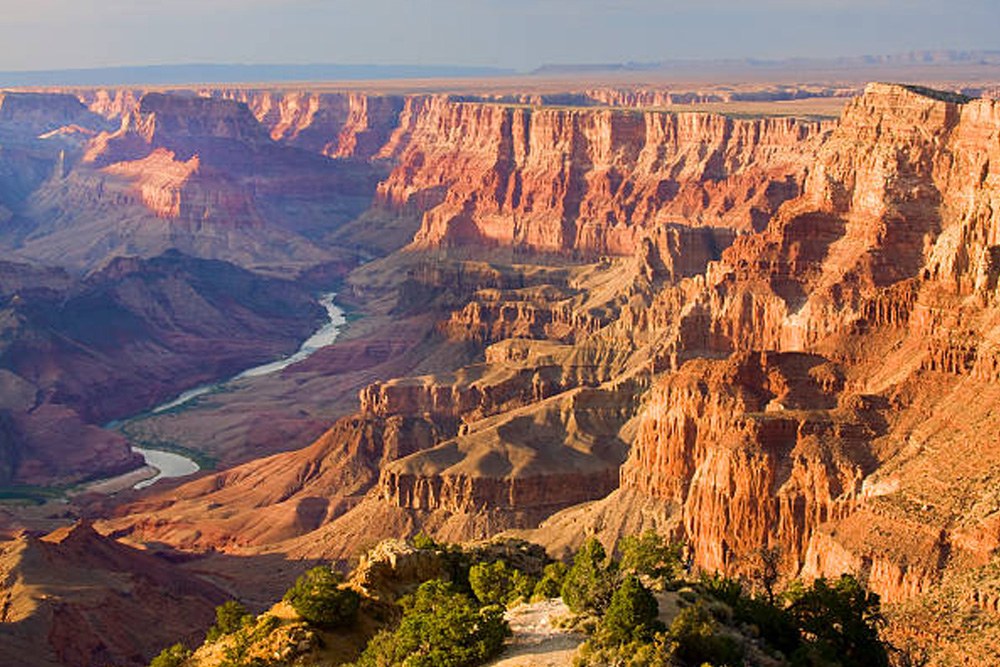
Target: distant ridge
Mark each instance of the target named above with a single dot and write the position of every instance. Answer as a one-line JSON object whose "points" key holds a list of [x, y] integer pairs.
{"points": [[209, 73], [989, 58]]}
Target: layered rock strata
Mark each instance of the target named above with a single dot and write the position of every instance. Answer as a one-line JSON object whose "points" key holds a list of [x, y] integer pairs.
{"points": [[827, 366], [590, 181], [883, 265]]}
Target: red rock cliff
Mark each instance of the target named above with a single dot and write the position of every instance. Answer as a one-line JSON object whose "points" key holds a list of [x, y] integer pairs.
{"points": [[338, 125], [887, 264], [588, 180]]}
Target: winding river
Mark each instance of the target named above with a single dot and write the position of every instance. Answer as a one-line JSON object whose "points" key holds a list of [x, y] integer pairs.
{"points": [[170, 464]]}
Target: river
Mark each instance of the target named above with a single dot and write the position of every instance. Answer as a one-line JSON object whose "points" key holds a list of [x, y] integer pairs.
{"points": [[170, 464]]}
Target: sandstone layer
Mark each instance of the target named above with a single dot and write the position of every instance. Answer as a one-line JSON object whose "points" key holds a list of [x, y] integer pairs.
{"points": [[589, 181]]}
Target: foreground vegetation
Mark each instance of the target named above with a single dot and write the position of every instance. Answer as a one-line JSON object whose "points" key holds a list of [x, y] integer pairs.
{"points": [[426, 604], [717, 622]]}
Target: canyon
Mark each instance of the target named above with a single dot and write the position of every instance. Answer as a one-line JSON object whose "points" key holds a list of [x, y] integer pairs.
{"points": [[572, 315], [79, 352]]}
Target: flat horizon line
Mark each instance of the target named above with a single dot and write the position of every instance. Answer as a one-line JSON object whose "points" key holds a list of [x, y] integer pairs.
{"points": [[205, 73]]}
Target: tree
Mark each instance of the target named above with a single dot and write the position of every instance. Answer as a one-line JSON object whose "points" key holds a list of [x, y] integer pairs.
{"points": [[441, 627], [840, 621], [651, 555], [694, 631], [492, 583], [764, 565], [229, 617], [425, 542], [550, 585], [631, 615], [722, 588], [591, 581], [172, 656], [773, 623], [319, 598]]}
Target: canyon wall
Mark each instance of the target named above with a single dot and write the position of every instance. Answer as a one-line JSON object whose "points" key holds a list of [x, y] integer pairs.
{"points": [[551, 179], [589, 181], [338, 125], [804, 298], [758, 450], [572, 181], [884, 267]]}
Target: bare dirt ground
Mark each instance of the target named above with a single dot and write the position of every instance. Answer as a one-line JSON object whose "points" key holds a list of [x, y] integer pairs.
{"points": [[536, 641]]}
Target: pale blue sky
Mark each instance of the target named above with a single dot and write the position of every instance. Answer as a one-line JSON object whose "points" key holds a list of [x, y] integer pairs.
{"points": [[522, 34]]}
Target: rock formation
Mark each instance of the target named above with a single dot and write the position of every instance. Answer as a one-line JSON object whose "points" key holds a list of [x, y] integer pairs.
{"points": [[759, 333], [180, 164], [338, 125], [775, 410], [589, 181], [38, 113], [75, 353], [76, 598], [883, 266]]}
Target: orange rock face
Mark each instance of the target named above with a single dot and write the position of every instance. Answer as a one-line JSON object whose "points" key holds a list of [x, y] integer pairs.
{"points": [[757, 451], [884, 266], [338, 125], [588, 181]]}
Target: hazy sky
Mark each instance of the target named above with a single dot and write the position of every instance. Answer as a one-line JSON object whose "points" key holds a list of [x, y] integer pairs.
{"points": [[50, 34]]}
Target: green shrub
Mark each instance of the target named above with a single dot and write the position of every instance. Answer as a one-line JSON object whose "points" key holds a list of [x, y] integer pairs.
{"points": [[493, 583], [631, 616], [441, 627], [591, 580], [229, 618], [524, 585], [550, 585], [655, 653], [722, 588], [773, 623], [318, 598], [651, 555], [264, 627], [840, 622], [172, 656], [424, 541], [382, 651], [696, 640]]}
